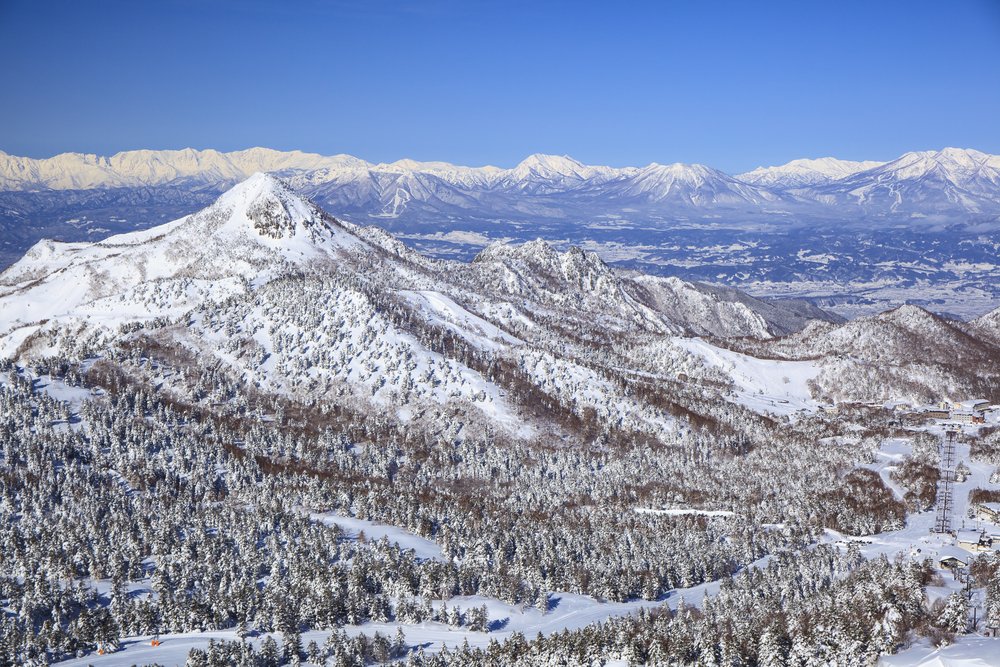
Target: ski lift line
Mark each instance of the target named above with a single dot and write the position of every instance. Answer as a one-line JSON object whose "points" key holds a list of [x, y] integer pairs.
{"points": [[942, 520]]}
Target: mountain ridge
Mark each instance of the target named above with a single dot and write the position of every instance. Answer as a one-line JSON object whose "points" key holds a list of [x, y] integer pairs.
{"points": [[806, 171], [261, 225], [154, 167], [783, 239], [949, 182]]}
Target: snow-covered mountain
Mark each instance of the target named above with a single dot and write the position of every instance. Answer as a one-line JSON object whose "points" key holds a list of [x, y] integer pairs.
{"points": [[261, 229], [811, 228], [906, 352], [952, 184], [580, 280], [988, 325], [267, 286], [923, 184], [74, 171], [951, 180], [805, 172], [257, 231], [724, 312], [541, 173], [695, 186]]}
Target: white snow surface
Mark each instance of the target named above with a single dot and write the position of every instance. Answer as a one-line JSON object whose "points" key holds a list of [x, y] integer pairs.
{"points": [[805, 172], [567, 611], [763, 385], [970, 651], [443, 310], [352, 527]]}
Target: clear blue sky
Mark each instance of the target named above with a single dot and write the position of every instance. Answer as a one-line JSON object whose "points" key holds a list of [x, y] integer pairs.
{"points": [[729, 84]]}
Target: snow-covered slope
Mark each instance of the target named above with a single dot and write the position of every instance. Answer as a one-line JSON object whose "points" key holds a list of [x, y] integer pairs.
{"points": [[903, 353], [281, 295], [722, 312], [923, 183], [255, 231], [261, 281], [988, 325], [805, 172], [580, 280], [574, 280]]}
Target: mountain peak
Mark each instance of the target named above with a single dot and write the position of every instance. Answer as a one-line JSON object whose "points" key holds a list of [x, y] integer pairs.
{"points": [[961, 159], [676, 168], [500, 251], [961, 155], [691, 185], [256, 185], [807, 172], [268, 204], [550, 161], [951, 151], [908, 316], [550, 166]]}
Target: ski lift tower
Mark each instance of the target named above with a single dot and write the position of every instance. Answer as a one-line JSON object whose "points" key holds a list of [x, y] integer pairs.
{"points": [[942, 521]]}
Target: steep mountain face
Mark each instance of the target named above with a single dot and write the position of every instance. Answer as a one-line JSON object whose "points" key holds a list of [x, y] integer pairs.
{"points": [[805, 173], [903, 353], [575, 281], [722, 312]]}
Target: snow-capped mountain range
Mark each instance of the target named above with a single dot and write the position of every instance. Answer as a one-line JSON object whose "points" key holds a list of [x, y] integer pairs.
{"points": [[280, 294], [285, 297], [261, 229], [952, 180], [816, 229]]}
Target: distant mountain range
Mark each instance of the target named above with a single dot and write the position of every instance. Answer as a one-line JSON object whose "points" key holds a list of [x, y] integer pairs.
{"points": [[953, 183], [854, 236]]}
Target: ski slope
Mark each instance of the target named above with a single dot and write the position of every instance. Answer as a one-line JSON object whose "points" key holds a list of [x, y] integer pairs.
{"points": [[762, 385]]}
